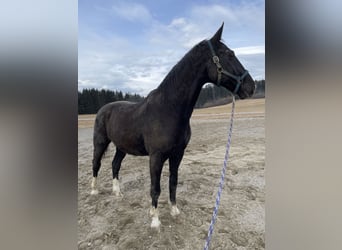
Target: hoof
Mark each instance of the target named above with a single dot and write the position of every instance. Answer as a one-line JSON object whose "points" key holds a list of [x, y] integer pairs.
{"points": [[116, 188], [154, 213], [155, 224], [174, 211], [94, 192]]}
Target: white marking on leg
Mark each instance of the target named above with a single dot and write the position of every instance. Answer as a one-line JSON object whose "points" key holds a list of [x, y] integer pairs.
{"points": [[94, 190], [155, 224], [116, 188], [174, 210]]}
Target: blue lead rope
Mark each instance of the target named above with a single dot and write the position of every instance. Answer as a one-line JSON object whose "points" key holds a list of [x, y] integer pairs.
{"points": [[223, 173]]}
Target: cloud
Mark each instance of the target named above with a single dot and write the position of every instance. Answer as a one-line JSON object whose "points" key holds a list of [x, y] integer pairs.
{"points": [[212, 13], [244, 25], [247, 14], [250, 50], [255, 64], [139, 63], [87, 84], [123, 66], [132, 11], [149, 71]]}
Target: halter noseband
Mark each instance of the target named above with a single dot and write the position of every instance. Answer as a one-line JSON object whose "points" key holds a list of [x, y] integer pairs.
{"points": [[220, 70]]}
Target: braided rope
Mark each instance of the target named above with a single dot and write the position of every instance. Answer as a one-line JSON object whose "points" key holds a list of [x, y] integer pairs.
{"points": [[223, 173]]}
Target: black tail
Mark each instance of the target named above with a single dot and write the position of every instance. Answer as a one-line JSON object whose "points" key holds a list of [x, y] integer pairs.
{"points": [[100, 142]]}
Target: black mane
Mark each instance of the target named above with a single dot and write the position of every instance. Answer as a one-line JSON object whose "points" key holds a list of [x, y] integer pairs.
{"points": [[188, 63]]}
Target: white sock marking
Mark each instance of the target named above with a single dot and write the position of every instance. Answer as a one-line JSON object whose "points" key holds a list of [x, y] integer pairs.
{"points": [[116, 187], [94, 190], [155, 224], [174, 210]]}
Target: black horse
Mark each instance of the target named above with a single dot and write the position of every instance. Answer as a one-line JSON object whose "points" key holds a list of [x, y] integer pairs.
{"points": [[159, 126]]}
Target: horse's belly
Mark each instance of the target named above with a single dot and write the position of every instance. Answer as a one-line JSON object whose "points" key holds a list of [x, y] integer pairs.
{"points": [[133, 146], [135, 151]]}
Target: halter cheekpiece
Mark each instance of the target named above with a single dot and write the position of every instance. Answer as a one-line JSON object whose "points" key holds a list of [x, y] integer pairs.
{"points": [[220, 70]]}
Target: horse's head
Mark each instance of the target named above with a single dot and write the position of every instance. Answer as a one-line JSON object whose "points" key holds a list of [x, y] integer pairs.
{"points": [[224, 69]]}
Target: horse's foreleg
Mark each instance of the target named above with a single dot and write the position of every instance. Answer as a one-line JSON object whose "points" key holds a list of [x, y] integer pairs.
{"points": [[156, 166], [116, 164], [174, 162]]}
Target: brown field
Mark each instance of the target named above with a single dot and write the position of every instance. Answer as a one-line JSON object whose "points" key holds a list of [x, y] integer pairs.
{"points": [[108, 222], [243, 108]]}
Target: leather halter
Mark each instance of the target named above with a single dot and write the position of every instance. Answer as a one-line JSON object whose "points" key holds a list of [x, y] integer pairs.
{"points": [[220, 70]]}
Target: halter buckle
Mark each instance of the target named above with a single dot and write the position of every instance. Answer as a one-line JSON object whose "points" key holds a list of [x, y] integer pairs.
{"points": [[216, 60]]}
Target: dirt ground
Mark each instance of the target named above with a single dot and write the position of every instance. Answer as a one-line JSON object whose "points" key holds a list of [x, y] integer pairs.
{"points": [[108, 222]]}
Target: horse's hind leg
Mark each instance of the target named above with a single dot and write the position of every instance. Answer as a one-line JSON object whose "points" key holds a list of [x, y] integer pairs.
{"points": [[156, 166], [116, 164], [174, 162], [100, 147]]}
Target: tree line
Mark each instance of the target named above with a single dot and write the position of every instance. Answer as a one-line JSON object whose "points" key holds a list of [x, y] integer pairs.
{"points": [[260, 89], [211, 95], [91, 100]]}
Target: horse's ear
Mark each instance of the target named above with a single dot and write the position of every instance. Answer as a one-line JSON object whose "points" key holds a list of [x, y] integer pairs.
{"points": [[217, 37]]}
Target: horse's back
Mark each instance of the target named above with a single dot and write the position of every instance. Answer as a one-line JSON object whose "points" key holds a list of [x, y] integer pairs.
{"points": [[112, 106]]}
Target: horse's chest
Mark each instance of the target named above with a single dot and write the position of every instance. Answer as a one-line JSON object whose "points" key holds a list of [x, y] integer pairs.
{"points": [[167, 138], [132, 144]]}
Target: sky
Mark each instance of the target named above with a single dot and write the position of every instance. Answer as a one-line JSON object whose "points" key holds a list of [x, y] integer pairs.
{"points": [[130, 46]]}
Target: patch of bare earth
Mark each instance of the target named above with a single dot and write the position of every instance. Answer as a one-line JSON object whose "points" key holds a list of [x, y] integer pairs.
{"points": [[108, 222]]}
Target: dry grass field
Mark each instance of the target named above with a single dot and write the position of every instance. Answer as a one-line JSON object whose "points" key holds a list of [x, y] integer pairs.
{"points": [[108, 222], [243, 108]]}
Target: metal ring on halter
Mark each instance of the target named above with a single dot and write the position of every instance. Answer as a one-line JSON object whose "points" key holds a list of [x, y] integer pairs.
{"points": [[216, 59]]}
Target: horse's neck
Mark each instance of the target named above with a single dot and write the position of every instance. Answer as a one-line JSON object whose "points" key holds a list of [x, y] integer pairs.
{"points": [[181, 87]]}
